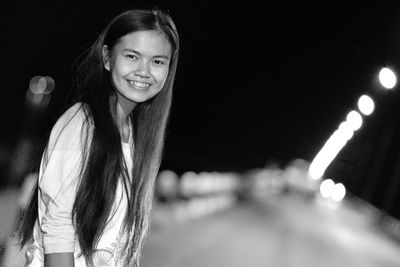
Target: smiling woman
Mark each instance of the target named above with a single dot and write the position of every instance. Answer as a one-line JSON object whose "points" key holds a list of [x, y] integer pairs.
{"points": [[97, 175], [139, 66]]}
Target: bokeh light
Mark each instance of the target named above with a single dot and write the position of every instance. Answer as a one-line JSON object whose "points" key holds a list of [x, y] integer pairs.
{"points": [[354, 120], [387, 78], [41, 85], [339, 192], [366, 105], [326, 188], [37, 85]]}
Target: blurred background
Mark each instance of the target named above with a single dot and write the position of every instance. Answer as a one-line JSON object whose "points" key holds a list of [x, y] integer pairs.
{"points": [[283, 145]]}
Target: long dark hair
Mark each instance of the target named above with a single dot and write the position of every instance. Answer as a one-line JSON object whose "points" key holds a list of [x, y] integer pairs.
{"points": [[103, 161]]}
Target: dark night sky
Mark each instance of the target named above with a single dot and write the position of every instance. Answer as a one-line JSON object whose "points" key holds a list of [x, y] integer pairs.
{"points": [[254, 82]]}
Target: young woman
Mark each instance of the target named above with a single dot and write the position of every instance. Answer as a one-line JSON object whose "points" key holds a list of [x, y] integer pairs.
{"points": [[97, 174]]}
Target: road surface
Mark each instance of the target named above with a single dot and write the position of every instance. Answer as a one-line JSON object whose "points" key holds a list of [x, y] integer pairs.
{"points": [[279, 231]]}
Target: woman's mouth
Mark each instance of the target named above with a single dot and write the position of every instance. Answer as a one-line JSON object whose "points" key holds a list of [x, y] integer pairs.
{"points": [[139, 85]]}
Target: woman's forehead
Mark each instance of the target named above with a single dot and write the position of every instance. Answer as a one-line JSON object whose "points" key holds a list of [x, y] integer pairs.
{"points": [[149, 42]]}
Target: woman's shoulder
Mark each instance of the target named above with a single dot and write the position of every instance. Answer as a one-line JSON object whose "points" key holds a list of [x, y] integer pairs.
{"points": [[74, 116], [71, 125], [73, 113]]}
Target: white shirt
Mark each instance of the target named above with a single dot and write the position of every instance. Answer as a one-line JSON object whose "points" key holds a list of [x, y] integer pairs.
{"points": [[58, 179]]}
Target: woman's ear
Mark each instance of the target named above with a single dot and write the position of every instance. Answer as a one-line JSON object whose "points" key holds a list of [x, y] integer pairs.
{"points": [[106, 57]]}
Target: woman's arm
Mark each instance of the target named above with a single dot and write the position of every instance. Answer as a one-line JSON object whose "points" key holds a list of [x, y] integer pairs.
{"points": [[59, 260], [58, 179]]}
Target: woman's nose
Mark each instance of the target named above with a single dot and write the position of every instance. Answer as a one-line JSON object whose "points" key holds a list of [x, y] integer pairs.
{"points": [[142, 69]]}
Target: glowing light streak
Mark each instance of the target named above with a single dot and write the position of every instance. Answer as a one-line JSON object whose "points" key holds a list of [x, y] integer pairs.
{"points": [[334, 145], [329, 151]]}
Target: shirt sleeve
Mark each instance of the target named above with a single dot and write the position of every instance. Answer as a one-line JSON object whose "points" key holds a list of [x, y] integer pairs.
{"points": [[58, 180]]}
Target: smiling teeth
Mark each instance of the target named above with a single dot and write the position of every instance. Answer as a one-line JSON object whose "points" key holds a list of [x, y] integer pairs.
{"points": [[139, 84]]}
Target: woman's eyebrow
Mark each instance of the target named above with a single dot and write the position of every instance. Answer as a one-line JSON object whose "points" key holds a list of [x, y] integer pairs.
{"points": [[137, 52]]}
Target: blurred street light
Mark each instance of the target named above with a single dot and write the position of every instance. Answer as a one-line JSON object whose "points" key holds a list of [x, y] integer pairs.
{"points": [[354, 120], [23, 157], [366, 105], [387, 78]]}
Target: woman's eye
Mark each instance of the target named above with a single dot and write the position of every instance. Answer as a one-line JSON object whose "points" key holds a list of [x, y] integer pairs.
{"points": [[159, 62], [131, 56]]}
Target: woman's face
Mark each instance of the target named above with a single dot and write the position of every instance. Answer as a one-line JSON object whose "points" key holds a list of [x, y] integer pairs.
{"points": [[138, 65]]}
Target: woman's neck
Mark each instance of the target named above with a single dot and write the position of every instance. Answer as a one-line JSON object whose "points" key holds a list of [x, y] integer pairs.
{"points": [[123, 109]]}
